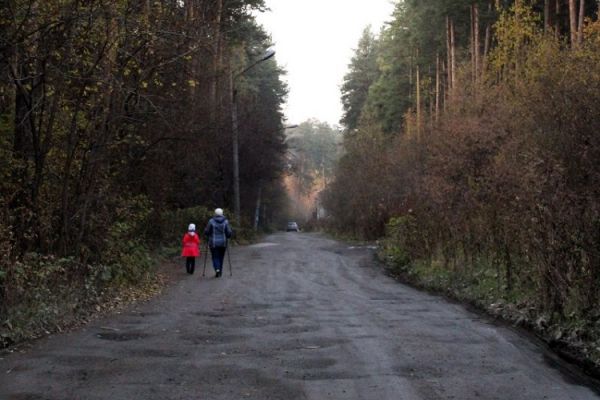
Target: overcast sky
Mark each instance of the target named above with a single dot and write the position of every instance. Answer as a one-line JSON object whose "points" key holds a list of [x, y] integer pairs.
{"points": [[314, 41]]}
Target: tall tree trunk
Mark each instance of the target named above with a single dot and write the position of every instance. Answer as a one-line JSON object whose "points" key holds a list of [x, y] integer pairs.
{"points": [[192, 28], [477, 43], [257, 208], [509, 269], [437, 87], [449, 55], [146, 9], [557, 19], [216, 62], [472, 42], [550, 14], [190, 11], [581, 18], [20, 171], [573, 22], [418, 84], [234, 141], [547, 22], [444, 87], [410, 79], [486, 47], [453, 51]]}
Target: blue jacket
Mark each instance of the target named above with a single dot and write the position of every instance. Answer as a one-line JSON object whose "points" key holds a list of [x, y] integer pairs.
{"points": [[218, 231]]}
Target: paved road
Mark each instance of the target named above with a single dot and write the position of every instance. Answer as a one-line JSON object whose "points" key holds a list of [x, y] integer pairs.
{"points": [[303, 317]]}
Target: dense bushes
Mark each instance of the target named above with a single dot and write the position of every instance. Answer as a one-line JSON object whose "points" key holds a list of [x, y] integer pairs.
{"points": [[42, 293], [173, 224]]}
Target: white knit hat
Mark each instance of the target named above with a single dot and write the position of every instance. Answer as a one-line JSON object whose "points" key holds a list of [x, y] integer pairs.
{"points": [[219, 212], [192, 228]]}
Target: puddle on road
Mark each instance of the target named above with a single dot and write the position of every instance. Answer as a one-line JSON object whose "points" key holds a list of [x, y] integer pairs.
{"points": [[311, 363], [261, 245]]}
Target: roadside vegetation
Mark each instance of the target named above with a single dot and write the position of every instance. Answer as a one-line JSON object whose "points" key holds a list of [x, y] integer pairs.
{"points": [[313, 147], [115, 134], [472, 151]]}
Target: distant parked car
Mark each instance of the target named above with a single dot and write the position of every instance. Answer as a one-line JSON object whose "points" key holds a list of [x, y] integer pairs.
{"points": [[292, 227]]}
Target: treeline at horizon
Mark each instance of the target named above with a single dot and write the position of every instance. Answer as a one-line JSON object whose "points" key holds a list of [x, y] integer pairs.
{"points": [[115, 133], [472, 150]]}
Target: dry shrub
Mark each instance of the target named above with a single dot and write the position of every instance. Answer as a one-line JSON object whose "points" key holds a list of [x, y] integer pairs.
{"points": [[506, 183]]}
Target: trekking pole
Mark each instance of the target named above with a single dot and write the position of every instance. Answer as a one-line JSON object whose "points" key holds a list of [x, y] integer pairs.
{"points": [[205, 257], [229, 259]]}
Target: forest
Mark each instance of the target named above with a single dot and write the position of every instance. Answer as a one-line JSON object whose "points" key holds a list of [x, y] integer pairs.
{"points": [[116, 131], [472, 154], [313, 148]]}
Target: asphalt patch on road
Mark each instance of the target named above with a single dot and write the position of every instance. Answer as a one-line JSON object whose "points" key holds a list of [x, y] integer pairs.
{"points": [[27, 396], [256, 322], [121, 336], [294, 330], [153, 353], [249, 383], [253, 306], [325, 376], [215, 314], [311, 363], [78, 359], [213, 339]]}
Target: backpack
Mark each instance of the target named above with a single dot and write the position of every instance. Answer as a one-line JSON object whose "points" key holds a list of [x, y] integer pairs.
{"points": [[219, 233]]}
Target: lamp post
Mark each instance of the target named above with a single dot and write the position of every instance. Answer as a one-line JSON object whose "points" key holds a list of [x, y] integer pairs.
{"points": [[234, 131]]}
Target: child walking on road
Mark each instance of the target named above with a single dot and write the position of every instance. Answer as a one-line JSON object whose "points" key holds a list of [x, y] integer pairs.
{"points": [[191, 248]]}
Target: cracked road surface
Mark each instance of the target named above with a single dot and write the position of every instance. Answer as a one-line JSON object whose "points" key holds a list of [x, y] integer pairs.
{"points": [[303, 317]]}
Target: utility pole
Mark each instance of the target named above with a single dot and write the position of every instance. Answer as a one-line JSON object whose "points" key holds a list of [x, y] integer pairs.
{"points": [[236, 149], [235, 131]]}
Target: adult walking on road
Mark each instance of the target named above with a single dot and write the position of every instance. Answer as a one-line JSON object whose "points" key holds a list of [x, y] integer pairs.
{"points": [[218, 232], [191, 248]]}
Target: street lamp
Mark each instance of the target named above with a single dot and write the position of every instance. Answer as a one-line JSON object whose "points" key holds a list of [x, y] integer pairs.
{"points": [[234, 130]]}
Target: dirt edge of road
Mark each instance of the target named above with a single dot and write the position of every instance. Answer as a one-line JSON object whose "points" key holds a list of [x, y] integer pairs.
{"points": [[559, 353], [164, 276]]}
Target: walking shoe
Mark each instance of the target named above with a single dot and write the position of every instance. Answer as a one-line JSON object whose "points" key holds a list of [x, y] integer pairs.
{"points": [[218, 273]]}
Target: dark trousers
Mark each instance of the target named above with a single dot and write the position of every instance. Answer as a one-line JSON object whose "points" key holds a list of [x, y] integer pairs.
{"points": [[218, 255], [190, 264]]}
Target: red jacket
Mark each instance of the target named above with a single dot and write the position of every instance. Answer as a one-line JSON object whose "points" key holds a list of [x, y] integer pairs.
{"points": [[191, 245]]}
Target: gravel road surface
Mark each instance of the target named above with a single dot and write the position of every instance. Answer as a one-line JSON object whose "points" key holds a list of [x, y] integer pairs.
{"points": [[303, 317]]}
